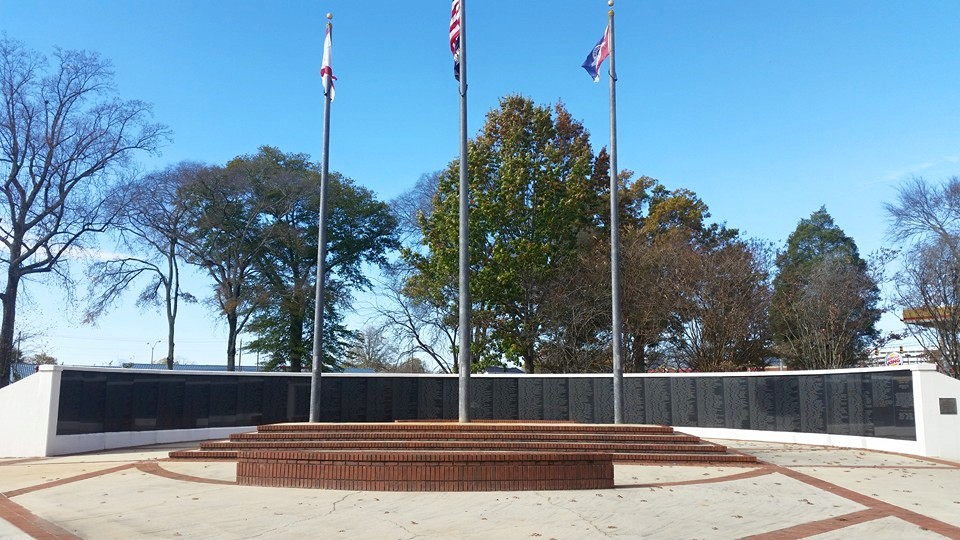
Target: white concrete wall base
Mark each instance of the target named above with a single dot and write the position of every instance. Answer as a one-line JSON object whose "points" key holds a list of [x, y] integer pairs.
{"points": [[938, 433], [95, 442], [819, 439], [29, 413]]}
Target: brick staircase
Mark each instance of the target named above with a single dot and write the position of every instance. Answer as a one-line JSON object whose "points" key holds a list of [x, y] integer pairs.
{"points": [[624, 443]]}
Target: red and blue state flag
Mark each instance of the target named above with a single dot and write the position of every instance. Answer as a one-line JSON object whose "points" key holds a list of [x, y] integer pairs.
{"points": [[596, 57]]}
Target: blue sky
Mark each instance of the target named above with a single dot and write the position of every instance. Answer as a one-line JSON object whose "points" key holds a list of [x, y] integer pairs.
{"points": [[767, 110]]}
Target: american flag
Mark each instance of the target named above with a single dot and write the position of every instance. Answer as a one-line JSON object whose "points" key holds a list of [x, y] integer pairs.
{"points": [[455, 37]]}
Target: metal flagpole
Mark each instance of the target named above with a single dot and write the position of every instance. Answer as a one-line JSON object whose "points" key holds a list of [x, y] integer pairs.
{"points": [[465, 305], [321, 248], [615, 238]]}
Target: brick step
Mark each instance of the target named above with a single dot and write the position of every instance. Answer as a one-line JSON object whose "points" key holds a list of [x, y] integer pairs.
{"points": [[618, 457], [476, 446], [477, 436], [671, 457], [316, 455], [476, 426]]}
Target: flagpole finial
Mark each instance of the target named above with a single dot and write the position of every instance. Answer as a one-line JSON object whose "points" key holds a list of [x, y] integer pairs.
{"points": [[610, 3], [330, 15]]}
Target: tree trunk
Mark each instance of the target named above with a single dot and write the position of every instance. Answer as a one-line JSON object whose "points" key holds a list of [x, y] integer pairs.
{"points": [[9, 301], [295, 342], [529, 358], [173, 297], [170, 329], [232, 341]]}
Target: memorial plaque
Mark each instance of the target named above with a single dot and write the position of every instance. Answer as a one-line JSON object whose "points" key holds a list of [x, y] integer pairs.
{"points": [[530, 392], [379, 407], [763, 405], [813, 404], [331, 406], [862, 398], [657, 400], [145, 402], [633, 402], [481, 398], [71, 392], [92, 403], [787, 400], [555, 399], [250, 407], [710, 406], [684, 401], [903, 402], [581, 400], [275, 397], [404, 391], [736, 403], [603, 400], [883, 405], [451, 398], [119, 403], [838, 406], [353, 399], [170, 407], [948, 405], [505, 398], [430, 399], [855, 404]]}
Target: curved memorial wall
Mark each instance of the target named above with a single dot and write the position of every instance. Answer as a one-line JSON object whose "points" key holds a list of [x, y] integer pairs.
{"points": [[864, 403]]}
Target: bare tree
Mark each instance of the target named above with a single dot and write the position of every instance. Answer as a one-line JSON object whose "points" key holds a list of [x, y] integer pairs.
{"points": [[924, 211], [928, 286], [721, 322], [151, 227], [65, 139], [417, 327], [826, 313], [926, 218]]}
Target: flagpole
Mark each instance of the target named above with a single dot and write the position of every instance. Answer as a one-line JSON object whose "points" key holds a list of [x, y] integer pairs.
{"points": [[317, 367], [465, 303], [615, 238]]}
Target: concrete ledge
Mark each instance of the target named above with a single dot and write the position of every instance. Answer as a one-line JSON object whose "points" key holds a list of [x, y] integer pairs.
{"points": [[95, 442], [426, 471]]}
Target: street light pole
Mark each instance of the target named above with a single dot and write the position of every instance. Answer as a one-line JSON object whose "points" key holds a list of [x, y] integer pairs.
{"points": [[152, 347]]}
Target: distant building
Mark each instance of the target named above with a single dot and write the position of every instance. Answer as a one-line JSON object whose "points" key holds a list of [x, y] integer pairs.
{"points": [[498, 369], [190, 367], [221, 367], [20, 370]]}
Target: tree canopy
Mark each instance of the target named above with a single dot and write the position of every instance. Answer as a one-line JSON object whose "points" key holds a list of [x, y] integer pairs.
{"points": [[540, 274], [825, 303], [66, 142]]}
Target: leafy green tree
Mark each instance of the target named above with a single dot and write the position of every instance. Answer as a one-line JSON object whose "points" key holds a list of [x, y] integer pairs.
{"points": [[825, 303], [360, 232], [225, 235], [529, 182], [723, 291]]}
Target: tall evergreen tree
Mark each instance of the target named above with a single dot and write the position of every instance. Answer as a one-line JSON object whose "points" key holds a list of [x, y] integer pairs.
{"points": [[825, 303]]}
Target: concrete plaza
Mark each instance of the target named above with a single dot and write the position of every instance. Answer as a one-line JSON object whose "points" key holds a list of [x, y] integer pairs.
{"points": [[796, 492]]}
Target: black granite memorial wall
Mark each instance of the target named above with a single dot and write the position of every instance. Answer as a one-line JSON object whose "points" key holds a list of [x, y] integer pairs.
{"points": [[871, 404]]}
